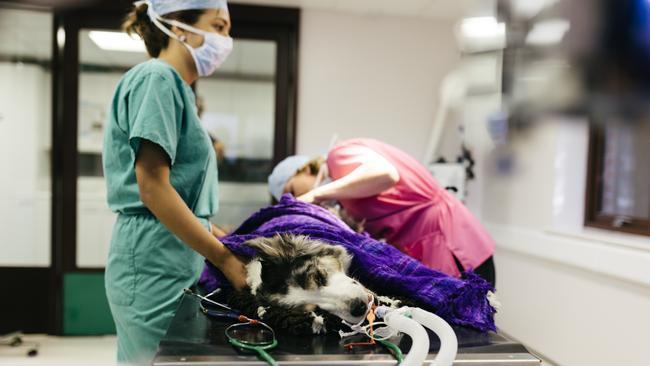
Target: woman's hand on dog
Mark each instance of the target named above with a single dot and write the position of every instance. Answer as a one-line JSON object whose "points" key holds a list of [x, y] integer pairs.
{"points": [[308, 197], [234, 269], [217, 231]]}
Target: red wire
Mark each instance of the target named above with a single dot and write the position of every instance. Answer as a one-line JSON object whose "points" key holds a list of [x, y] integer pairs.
{"points": [[371, 321]]}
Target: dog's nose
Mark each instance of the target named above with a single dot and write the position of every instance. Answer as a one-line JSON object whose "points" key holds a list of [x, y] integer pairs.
{"points": [[358, 308]]}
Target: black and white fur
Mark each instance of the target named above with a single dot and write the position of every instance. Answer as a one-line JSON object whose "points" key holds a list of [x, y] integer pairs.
{"points": [[300, 286]]}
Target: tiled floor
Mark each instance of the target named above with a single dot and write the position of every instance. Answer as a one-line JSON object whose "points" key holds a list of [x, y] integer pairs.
{"points": [[62, 351]]}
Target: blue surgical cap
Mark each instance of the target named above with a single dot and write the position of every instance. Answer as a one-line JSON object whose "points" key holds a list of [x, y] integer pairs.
{"points": [[162, 7], [282, 172]]}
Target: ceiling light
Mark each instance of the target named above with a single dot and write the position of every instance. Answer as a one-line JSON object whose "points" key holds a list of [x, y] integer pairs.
{"points": [[529, 8], [482, 27], [548, 32], [117, 41]]}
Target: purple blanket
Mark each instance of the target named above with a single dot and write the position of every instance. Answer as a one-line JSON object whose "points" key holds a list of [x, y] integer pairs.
{"points": [[381, 267]]}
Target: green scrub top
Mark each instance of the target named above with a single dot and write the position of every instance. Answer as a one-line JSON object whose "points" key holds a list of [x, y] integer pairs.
{"points": [[148, 266]]}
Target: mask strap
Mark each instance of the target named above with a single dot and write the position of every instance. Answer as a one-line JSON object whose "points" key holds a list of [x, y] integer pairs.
{"points": [[187, 27]]}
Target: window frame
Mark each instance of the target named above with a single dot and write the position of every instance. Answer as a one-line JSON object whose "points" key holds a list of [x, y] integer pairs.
{"points": [[593, 199]]}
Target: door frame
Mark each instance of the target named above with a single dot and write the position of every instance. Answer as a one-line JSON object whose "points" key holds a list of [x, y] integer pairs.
{"points": [[281, 25]]}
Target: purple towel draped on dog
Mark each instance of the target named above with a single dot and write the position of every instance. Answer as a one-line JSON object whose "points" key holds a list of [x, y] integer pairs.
{"points": [[377, 265]]}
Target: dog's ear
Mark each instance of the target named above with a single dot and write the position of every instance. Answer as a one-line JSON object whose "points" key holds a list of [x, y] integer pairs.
{"points": [[343, 256], [268, 247], [303, 245]]}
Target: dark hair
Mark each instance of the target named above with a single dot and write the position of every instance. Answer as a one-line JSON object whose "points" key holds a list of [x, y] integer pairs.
{"points": [[138, 22], [312, 166]]}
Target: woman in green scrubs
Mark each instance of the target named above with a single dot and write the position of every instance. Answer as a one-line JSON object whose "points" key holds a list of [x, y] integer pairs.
{"points": [[161, 174]]}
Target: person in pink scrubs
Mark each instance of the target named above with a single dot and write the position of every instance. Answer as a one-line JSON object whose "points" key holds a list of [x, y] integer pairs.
{"points": [[399, 200]]}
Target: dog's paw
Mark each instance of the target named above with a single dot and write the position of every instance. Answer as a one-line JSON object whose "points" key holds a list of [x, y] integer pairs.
{"points": [[493, 300], [261, 310], [254, 278], [317, 323]]}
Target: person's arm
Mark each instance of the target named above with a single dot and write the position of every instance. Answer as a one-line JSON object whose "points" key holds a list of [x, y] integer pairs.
{"points": [[217, 231], [372, 177], [152, 173]]}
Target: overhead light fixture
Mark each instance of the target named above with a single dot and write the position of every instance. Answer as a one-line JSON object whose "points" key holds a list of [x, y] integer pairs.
{"points": [[60, 37], [117, 41], [548, 32], [482, 27], [529, 8], [480, 34]]}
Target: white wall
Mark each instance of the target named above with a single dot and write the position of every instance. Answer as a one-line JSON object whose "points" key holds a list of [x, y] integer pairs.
{"points": [[370, 76], [571, 315], [578, 296], [524, 197], [24, 182]]}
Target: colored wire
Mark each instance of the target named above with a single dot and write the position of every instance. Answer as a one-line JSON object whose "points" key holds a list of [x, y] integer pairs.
{"points": [[395, 350]]}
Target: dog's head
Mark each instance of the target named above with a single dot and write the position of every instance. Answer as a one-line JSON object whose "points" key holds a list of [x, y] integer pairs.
{"points": [[298, 271]]}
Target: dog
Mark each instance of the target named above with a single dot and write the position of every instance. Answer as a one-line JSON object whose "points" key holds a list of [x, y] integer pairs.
{"points": [[301, 286], [337, 210]]}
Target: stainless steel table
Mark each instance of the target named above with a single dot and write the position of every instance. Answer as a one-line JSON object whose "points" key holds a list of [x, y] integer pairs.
{"points": [[194, 339]]}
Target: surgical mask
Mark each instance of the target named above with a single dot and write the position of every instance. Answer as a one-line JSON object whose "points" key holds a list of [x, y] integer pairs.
{"points": [[207, 57]]}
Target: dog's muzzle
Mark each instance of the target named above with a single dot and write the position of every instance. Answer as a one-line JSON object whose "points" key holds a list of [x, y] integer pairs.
{"points": [[358, 307]]}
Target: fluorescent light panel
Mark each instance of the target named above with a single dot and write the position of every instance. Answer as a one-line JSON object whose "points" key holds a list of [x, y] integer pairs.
{"points": [[117, 41], [482, 27], [548, 32]]}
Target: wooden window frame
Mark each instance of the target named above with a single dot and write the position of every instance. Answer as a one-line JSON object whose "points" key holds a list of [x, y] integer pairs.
{"points": [[593, 199]]}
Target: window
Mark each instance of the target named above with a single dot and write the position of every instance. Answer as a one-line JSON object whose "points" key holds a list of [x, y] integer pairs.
{"points": [[618, 193]]}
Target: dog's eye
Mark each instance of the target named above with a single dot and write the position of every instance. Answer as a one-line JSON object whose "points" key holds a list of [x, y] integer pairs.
{"points": [[301, 280], [320, 278]]}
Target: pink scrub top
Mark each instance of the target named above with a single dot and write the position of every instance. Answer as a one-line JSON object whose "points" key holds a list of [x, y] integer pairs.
{"points": [[416, 215]]}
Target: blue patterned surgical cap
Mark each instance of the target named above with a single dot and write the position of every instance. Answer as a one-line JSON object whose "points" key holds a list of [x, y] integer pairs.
{"points": [[162, 7]]}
